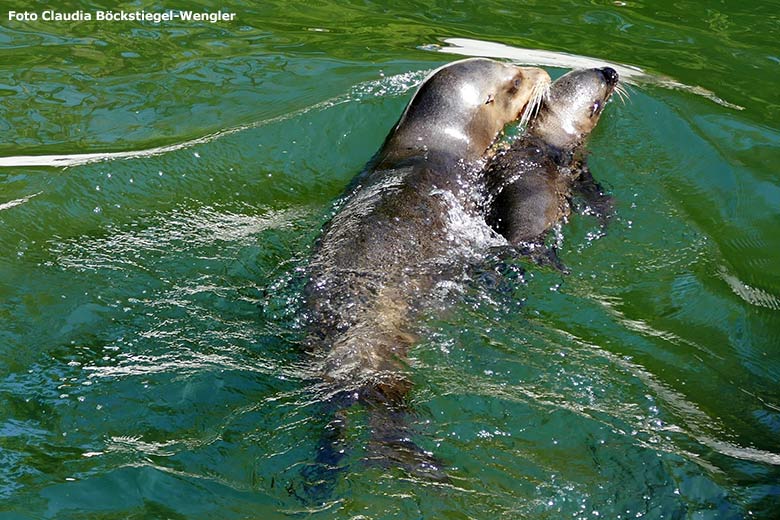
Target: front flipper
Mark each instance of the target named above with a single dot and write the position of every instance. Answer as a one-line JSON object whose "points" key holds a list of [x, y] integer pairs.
{"points": [[542, 255], [537, 252], [596, 201]]}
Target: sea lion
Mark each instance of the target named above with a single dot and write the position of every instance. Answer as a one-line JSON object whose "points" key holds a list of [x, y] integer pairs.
{"points": [[530, 184], [393, 236], [399, 231]]}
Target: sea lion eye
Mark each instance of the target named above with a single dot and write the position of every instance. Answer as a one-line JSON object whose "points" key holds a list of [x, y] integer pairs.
{"points": [[518, 82], [595, 109], [490, 99]]}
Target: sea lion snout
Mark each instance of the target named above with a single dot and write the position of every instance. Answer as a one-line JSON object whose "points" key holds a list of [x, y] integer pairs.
{"points": [[610, 75]]}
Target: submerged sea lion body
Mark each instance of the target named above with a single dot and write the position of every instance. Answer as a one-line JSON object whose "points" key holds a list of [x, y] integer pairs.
{"points": [[399, 232], [530, 185]]}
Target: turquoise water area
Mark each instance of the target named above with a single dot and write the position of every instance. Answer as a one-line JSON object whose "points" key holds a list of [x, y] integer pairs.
{"points": [[149, 305]]}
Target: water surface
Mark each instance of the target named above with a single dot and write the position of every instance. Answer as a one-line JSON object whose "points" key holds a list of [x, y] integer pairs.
{"points": [[149, 325]]}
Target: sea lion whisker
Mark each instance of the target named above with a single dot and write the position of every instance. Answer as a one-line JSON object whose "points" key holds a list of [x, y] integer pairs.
{"points": [[539, 96], [531, 110], [622, 92]]}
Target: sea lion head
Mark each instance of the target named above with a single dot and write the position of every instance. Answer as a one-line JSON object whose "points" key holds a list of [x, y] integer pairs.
{"points": [[461, 107], [573, 106]]}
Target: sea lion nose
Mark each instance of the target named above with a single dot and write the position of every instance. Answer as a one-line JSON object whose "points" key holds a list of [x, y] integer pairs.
{"points": [[610, 75]]}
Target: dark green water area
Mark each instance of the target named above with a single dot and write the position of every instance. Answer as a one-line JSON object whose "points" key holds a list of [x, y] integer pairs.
{"points": [[150, 320]]}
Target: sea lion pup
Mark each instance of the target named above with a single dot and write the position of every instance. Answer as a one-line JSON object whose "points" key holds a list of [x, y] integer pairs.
{"points": [[530, 185], [400, 231]]}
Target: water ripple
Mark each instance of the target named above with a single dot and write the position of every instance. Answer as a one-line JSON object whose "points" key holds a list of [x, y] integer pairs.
{"points": [[386, 86], [752, 295]]}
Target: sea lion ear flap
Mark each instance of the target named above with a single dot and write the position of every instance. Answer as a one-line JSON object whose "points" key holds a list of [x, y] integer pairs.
{"points": [[490, 99]]}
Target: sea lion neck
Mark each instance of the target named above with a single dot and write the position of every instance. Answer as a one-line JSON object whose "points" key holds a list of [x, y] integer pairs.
{"points": [[556, 130], [538, 147], [456, 135], [396, 156]]}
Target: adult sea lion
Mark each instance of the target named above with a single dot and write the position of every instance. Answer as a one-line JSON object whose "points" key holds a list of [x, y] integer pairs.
{"points": [[405, 227], [530, 185]]}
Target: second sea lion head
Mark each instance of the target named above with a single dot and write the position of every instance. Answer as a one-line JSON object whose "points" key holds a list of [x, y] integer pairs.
{"points": [[573, 106], [461, 107]]}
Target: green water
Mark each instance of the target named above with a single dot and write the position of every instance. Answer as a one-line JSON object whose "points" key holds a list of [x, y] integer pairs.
{"points": [[149, 324]]}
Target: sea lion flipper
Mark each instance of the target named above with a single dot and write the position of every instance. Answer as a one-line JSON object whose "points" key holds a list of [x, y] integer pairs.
{"points": [[320, 477], [596, 200], [391, 445], [542, 255]]}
